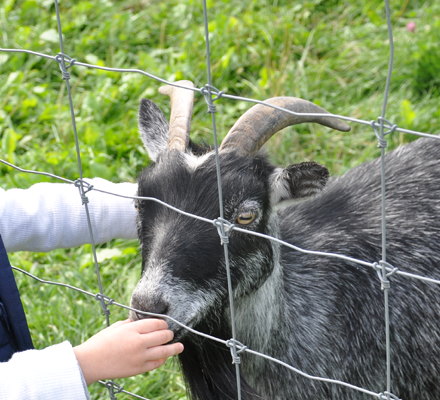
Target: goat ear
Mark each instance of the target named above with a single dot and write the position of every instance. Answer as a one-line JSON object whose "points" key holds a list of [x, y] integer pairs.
{"points": [[298, 181], [153, 128]]}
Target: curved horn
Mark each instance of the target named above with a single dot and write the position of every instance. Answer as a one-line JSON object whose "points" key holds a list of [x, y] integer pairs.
{"points": [[182, 101], [256, 126]]}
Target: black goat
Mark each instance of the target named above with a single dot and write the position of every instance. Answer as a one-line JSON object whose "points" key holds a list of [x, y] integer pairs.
{"points": [[322, 315]]}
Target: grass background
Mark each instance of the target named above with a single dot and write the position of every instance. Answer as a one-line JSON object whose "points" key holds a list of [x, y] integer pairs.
{"points": [[332, 52]]}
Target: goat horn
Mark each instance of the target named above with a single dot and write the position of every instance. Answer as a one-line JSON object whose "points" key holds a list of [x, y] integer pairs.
{"points": [[182, 101], [257, 125]]}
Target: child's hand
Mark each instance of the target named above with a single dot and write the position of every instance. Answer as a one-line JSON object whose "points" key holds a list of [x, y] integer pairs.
{"points": [[126, 349]]}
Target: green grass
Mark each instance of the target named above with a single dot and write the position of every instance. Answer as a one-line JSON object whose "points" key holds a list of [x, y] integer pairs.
{"points": [[334, 53]]}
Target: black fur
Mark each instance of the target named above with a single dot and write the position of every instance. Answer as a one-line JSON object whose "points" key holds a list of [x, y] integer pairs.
{"points": [[322, 315]]}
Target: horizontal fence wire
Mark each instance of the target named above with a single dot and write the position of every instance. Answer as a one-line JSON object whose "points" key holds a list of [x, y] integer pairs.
{"points": [[375, 124], [381, 128]]}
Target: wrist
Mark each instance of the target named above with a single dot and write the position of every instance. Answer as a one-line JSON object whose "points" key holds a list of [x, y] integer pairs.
{"points": [[84, 360]]}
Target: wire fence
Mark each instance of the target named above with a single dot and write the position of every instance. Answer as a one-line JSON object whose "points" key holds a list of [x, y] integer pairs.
{"points": [[381, 127]]}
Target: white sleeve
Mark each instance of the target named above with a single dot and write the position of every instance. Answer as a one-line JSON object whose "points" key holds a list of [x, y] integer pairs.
{"points": [[52, 373], [48, 216]]}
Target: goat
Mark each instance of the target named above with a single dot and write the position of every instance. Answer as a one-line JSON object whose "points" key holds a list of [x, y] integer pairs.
{"points": [[322, 315]]}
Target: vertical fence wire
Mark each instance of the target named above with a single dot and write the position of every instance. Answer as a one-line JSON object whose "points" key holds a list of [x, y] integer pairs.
{"points": [[386, 286], [224, 227], [85, 201], [224, 238], [66, 77]]}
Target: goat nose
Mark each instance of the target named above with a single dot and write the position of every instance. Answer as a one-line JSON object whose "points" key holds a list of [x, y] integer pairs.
{"points": [[158, 308]]}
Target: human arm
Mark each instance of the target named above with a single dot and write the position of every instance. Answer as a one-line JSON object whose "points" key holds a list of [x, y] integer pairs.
{"points": [[51, 373], [126, 349], [51, 215]]}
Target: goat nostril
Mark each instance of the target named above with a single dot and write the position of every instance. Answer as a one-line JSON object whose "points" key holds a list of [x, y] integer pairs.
{"points": [[158, 308]]}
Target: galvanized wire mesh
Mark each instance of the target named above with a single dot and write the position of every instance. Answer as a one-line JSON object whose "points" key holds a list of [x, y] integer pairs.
{"points": [[381, 127]]}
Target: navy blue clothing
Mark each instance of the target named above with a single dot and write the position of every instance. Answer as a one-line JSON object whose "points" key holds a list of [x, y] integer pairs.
{"points": [[14, 331]]}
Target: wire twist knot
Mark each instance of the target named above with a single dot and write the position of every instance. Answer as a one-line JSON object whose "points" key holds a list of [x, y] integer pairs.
{"points": [[106, 312], [60, 59], [84, 199], [383, 143], [113, 388], [66, 75], [207, 91], [387, 124], [381, 269], [79, 183], [212, 108], [236, 348], [224, 228], [105, 301]]}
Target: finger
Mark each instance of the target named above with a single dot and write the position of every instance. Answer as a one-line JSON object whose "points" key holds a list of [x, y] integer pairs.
{"points": [[157, 338], [150, 365], [149, 325], [161, 352]]}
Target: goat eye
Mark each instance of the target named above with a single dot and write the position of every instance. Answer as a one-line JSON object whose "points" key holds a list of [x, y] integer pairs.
{"points": [[245, 218]]}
